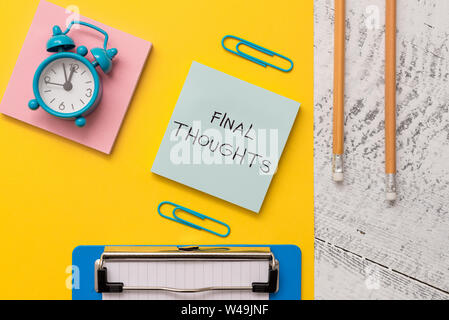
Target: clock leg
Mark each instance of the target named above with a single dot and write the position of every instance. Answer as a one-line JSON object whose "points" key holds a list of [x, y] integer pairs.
{"points": [[80, 122], [33, 104]]}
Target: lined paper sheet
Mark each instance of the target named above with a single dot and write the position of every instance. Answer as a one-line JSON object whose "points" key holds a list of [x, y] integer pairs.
{"points": [[187, 275]]}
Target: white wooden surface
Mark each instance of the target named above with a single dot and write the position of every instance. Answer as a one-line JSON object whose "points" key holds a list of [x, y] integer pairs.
{"points": [[366, 248]]}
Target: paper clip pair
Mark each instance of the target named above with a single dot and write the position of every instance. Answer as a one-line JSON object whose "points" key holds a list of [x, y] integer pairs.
{"points": [[175, 218], [258, 48]]}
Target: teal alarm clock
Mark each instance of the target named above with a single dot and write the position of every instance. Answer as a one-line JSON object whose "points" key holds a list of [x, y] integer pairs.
{"points": [[66, 84]]}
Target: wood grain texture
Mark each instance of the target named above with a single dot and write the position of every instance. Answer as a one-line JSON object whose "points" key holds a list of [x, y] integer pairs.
{"points": [[412, 236], [350, 274]]}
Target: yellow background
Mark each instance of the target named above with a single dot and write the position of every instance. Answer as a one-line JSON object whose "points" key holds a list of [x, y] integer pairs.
{"points": [[56, 194]]}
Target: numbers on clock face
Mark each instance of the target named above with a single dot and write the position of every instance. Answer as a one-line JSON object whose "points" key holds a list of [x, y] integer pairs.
{"points": [[66, 85]]}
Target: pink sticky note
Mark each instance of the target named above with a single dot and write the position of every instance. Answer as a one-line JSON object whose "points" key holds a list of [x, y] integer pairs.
{"points": [[104, 123]]}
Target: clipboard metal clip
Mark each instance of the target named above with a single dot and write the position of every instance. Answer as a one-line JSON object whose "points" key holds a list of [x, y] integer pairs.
{"points": [[175, 218], [256, 47], [142, 253]]}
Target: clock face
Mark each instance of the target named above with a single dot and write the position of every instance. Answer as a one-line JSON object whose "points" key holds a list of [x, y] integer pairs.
{"points": [[66, 85]]}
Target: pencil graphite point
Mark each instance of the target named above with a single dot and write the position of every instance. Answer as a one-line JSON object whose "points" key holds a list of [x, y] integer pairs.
{"points": [[337, 168]]}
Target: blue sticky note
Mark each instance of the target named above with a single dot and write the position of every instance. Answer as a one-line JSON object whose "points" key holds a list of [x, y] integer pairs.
{"points": [[225, 137]]}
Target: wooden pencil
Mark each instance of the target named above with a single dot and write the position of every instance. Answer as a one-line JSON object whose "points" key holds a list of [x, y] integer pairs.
{"points": [[390, 99], [339, 89]]}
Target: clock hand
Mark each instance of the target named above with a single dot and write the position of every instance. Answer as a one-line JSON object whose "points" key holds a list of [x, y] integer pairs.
{"points": [[72, 71], [56, 84], [65, 72], [68, 84]]}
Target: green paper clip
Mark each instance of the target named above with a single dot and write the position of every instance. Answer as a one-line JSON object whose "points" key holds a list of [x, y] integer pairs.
{"points": [[175, 218], [258, 48]]}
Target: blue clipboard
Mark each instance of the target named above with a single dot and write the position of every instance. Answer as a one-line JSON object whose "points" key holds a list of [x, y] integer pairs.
{"points": [[289, 257]]}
